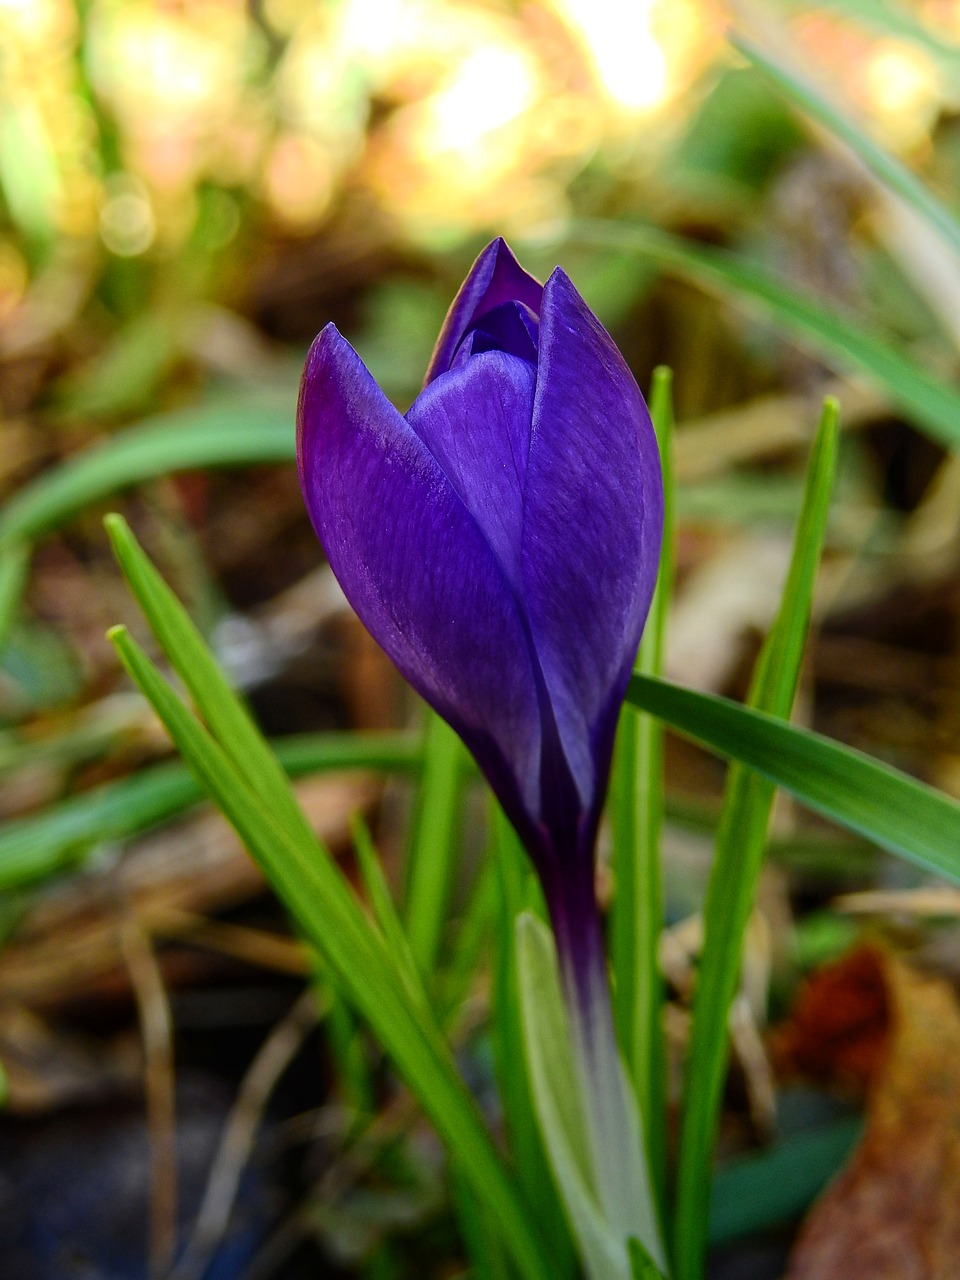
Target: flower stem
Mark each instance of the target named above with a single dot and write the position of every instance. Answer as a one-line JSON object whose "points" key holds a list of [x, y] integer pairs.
{"points": [[614, 1128]]}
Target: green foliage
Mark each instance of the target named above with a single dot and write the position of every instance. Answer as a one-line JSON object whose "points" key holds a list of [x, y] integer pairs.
{"points": [[840, 341], [14, 565], [740, 134], [886, 806], [34, 847], [741, 837], [434, 848], [242, 775], [881, 163], [227, 433], [757, 1192], [636, 810], [642, 1266]]}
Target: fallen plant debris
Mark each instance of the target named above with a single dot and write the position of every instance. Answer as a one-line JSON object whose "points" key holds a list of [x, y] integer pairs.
{"points": [[894, 1212]]}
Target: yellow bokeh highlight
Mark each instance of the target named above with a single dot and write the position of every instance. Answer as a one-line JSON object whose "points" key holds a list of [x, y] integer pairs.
{"points": [[627, 60], [173, 77], [299, 180], [901, 86], [453, 116]]}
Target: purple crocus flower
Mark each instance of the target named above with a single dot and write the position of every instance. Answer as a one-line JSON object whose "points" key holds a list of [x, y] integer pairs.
{"points": [[501, 542]]}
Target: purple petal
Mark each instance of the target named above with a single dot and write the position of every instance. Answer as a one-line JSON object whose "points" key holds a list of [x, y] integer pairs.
{"points": [[496, 277], [475, 421], [511, 327], [593, 521], [417, 568]]}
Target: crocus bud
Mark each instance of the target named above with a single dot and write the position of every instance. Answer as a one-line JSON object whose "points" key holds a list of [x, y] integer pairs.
{"points": [[501, 541]]}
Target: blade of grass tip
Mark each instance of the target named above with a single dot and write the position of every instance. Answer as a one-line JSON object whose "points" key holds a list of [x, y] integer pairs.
{"points": [[317, 894], [642, 1266], [637, 823], [882, 164], [229, 721], [930, 403], [740, 843], [14, 563], [384, 910], [433, 852]]}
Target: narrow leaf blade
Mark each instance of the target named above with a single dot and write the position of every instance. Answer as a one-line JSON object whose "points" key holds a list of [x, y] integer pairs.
{"points": [[882, 163], [637, 822], [886, 806], [316, 892], [931, 403], [741, 840], [433, 853], [223, 435]]}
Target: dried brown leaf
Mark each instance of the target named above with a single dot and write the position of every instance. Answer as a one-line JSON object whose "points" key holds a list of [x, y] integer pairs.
{"points": [[894, 1212]]}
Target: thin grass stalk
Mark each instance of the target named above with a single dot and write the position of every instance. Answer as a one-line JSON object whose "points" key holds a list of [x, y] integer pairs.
{"points": [[637, 822]]}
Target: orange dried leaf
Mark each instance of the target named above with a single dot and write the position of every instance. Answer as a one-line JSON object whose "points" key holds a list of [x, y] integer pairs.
{"points": [[894, 1212], [837, 1030]]}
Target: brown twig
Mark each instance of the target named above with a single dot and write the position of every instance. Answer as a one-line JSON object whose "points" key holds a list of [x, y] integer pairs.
{"points": [[275, 1055], [156, 1030]]}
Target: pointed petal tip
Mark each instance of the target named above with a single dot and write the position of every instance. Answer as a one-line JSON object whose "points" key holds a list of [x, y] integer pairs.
{"points": [[320, 349], [560, 290], [495, 277], [334, 381]]}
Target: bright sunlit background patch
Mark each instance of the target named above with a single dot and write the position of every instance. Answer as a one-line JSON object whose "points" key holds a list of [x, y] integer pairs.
{"points": [[451, 115]]}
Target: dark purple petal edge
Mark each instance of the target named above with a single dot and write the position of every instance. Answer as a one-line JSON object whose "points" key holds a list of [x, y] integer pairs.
{"points": [[593, 520], [417, 569], [494, 278]]}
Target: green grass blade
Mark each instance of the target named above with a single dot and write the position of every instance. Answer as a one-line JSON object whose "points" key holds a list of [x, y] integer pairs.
{"points": [[925, 399], [228, 719], [757, 1192], [14, 564], [248, 783], [385, 911], [231, 434], [470, 943], [886, 806], [881, 163], [347, 1042], [741, 839], [642, 1266], [483, 1244], [637, 823], [36, 846], [317, 894], [433, 852], [384, 752]]}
